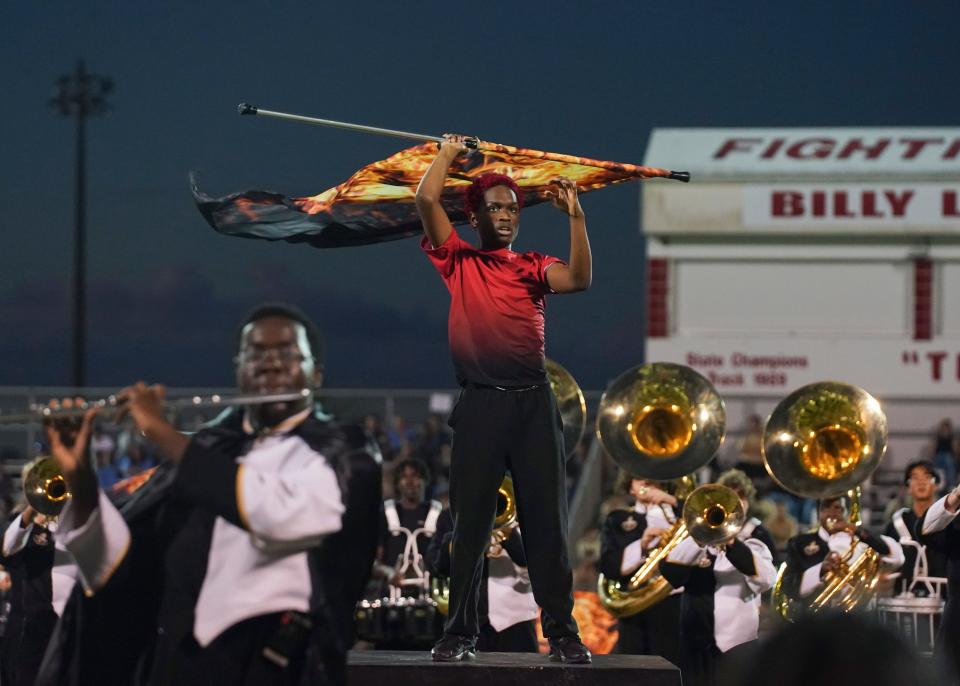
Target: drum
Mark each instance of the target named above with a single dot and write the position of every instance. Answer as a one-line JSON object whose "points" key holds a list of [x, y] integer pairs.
{"points": [[399, 621], [917, 619], [370, 617]]}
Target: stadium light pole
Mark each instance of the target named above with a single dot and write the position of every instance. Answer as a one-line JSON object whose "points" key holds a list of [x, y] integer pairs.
{"points": [[80, 95]]}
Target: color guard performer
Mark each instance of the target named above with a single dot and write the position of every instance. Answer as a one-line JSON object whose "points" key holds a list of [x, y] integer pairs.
{"points": [[506, 416]]}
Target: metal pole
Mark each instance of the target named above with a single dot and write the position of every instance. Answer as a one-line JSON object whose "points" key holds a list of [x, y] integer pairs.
{"points": [[80, 247], [244, 108], [80, 95]]}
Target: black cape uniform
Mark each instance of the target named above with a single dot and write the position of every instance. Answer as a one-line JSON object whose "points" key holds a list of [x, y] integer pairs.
{"points": [[656, 630], [139, 626]]}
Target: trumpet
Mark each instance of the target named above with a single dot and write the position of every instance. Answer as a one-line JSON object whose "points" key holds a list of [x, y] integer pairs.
{"points": [[38, 413], [713, 514], [44, 486]]}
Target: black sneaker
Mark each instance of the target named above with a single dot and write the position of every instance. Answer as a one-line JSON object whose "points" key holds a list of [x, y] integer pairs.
{"points": [[570, 650], [453, 648]]}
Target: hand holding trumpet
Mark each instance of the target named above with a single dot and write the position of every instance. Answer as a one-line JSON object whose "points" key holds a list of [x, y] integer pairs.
{"points": [[69, 446]]}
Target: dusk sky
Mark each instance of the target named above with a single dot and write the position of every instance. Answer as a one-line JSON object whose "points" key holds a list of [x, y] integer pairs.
{"points": [[166, 292]]}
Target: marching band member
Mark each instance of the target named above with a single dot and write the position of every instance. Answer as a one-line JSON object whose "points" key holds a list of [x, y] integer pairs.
{"points": [[505, 601], [922, 481], [811, 556], [241, 561], [408, 524], [626, 540], [939, 530], [740, 483], [506, 416], [42, 574], [720, 608]]}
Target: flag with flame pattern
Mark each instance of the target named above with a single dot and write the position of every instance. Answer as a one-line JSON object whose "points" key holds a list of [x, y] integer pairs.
{"points": [[376, 204]]}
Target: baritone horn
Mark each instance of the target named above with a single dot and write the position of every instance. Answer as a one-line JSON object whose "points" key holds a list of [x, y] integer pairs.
{"points": [[823, 441]]}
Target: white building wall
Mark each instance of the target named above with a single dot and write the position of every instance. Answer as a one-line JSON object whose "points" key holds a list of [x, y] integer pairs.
{"points": [[791, 258]]}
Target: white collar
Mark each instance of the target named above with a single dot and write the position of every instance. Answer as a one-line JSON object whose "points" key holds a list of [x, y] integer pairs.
{"points": [[286, 426]]}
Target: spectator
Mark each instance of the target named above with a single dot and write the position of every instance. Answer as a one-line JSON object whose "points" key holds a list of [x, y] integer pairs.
{"points": [[945, 452], [373, 425], [400, 438], [433, 447], [102, 445], [750, 449], [782, 526]]}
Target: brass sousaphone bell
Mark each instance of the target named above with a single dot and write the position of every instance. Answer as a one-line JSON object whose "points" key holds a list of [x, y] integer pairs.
{"points": [[823, 441], [658, 421], [570, 402], [661, 421]]}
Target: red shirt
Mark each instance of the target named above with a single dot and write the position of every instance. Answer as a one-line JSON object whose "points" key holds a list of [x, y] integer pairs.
{"points": [[496, 311]]}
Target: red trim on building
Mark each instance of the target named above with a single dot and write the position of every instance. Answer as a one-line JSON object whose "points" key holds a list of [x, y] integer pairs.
{"points": [[922, 300], [658, 269]]}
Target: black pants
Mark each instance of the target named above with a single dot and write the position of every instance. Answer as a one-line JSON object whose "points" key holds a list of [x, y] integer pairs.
{"points": [[235, 658], [655, 631], [518, 638], [521, 431]]}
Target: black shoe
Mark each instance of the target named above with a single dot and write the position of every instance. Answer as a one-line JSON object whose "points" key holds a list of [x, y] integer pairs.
{"points": [[569, 650], [453, 648]]}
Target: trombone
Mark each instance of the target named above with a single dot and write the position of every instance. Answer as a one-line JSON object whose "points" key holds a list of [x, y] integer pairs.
{"points": [[713, 514]]}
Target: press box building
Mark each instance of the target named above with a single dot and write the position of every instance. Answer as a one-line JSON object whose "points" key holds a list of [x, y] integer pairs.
{"points": [[803, 255]]}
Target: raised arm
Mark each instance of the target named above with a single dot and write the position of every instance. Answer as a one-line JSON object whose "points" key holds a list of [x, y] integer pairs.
{"points": [[436, 224], [578, 273]]}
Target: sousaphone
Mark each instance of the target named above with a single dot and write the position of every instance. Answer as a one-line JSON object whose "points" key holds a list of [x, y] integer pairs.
{"points": [[658, 421], [823, 441]]}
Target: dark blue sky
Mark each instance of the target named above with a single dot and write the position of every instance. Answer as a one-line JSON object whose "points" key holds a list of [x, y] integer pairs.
{"points": [[583, 78]]}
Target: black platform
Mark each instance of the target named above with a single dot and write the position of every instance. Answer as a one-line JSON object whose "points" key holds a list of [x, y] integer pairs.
{"points": [[389, 668]]}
